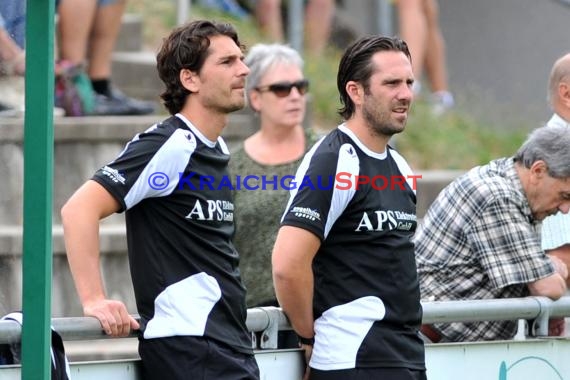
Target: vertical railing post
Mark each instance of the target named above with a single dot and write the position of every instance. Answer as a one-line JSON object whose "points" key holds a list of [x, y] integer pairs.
{"points": [[295, 21], [384, 17], [182, 11], [38, 178]]}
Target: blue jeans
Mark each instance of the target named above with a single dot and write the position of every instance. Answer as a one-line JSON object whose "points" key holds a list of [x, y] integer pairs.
{"points": [[13, 13]]}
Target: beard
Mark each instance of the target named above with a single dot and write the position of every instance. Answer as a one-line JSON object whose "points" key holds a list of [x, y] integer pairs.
{"points": [[225, 104], [228, 108], [379, 121], [232, 105]]}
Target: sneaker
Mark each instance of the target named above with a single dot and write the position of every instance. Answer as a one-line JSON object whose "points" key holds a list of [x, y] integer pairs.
{"points": [[441, 102], [119, 104]]}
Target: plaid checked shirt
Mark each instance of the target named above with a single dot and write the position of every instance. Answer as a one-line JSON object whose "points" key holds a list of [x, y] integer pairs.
{"points": [[480, 241]]}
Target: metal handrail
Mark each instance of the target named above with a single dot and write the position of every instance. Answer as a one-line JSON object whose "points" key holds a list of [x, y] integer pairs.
{"points": [[272, 319], [494, 309]]}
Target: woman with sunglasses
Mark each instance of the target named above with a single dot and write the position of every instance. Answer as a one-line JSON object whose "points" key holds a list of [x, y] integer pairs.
{"points": [[276, 91]]}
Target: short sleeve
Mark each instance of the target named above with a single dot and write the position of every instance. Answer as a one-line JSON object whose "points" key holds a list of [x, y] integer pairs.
{"points": [[507, 245]]}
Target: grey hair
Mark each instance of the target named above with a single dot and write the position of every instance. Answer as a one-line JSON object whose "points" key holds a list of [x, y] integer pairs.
{"points": [[551, 145], [261, 57], [560, 72]]}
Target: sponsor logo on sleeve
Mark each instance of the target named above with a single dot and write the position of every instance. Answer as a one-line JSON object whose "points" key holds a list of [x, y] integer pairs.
{"points": [[114, 175]]}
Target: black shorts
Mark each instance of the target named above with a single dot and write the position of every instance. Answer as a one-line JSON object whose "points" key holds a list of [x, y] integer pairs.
{"points": [[191, 357], [369, 373]]}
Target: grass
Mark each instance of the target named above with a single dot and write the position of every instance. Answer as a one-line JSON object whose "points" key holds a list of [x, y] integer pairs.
{"points": [[453, 141]]}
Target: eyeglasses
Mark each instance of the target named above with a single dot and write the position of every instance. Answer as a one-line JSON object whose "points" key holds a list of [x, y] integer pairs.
{"points": [[283, 89]]}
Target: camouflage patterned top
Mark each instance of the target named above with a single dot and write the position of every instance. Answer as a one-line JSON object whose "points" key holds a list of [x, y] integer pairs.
{"points": [[257, 217]]}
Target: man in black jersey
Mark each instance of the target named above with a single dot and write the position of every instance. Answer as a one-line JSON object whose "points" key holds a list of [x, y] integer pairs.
{"points": [[343, 263], [183, 263]]}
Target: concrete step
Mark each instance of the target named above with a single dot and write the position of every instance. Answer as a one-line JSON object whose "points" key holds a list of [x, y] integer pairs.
{"points": [[135, 74], [114, 267], [81, 146], [134, 70]]}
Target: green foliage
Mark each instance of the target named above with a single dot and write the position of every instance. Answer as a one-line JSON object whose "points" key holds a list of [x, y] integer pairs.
{"points": [[322, 71], [452, 141]]}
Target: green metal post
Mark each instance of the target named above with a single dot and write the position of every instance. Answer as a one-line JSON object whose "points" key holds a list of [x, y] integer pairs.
{"points": [[38, 179]]}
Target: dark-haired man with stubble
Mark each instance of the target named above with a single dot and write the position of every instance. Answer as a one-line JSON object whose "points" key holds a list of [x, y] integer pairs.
{"points": [[343, 262], [183, 262]]}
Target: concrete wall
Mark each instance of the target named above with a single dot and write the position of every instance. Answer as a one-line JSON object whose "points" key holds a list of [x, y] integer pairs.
{"points": [[81, 146]]}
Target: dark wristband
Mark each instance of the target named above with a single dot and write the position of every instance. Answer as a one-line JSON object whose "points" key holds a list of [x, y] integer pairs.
{"points": [[306, 341]]}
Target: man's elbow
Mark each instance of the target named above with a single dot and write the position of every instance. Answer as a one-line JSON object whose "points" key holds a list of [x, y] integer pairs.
{"points": [[281, 275], [67, 212], [284, 278]]}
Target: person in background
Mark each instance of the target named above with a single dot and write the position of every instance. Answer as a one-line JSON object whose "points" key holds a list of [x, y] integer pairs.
{"points": [[556, 228], [479, 237], [317, 25], [276, 91], [343, 262], [88, 31], [419, 27], [184, 266]]}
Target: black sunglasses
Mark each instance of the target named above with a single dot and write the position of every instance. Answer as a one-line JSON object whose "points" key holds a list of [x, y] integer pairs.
{"points": [[283, 89]]}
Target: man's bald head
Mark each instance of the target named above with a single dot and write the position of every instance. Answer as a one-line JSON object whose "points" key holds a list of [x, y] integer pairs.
{"points": [[559, 87], [560, 73]]}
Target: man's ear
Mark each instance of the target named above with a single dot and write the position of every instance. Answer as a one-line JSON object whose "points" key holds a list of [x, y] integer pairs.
{"points": [[190, 80], [564, 93], [538, 170], [355, 91]]}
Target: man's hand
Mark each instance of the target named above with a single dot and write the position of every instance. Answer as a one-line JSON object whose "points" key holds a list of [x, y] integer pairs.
{"points": [[562, 253], [559, 266], [308, 352], [113, 316]]}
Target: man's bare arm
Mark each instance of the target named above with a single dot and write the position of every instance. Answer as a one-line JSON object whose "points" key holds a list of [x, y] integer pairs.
{"points": [[80, 216], [553, 286], [292, 260]]}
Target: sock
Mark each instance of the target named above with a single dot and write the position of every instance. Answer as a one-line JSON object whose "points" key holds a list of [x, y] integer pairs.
{"points": [[102, 86]]}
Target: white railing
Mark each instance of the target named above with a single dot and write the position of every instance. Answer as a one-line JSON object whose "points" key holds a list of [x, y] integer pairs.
{"points": [[270, 320], [527, 359]]}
